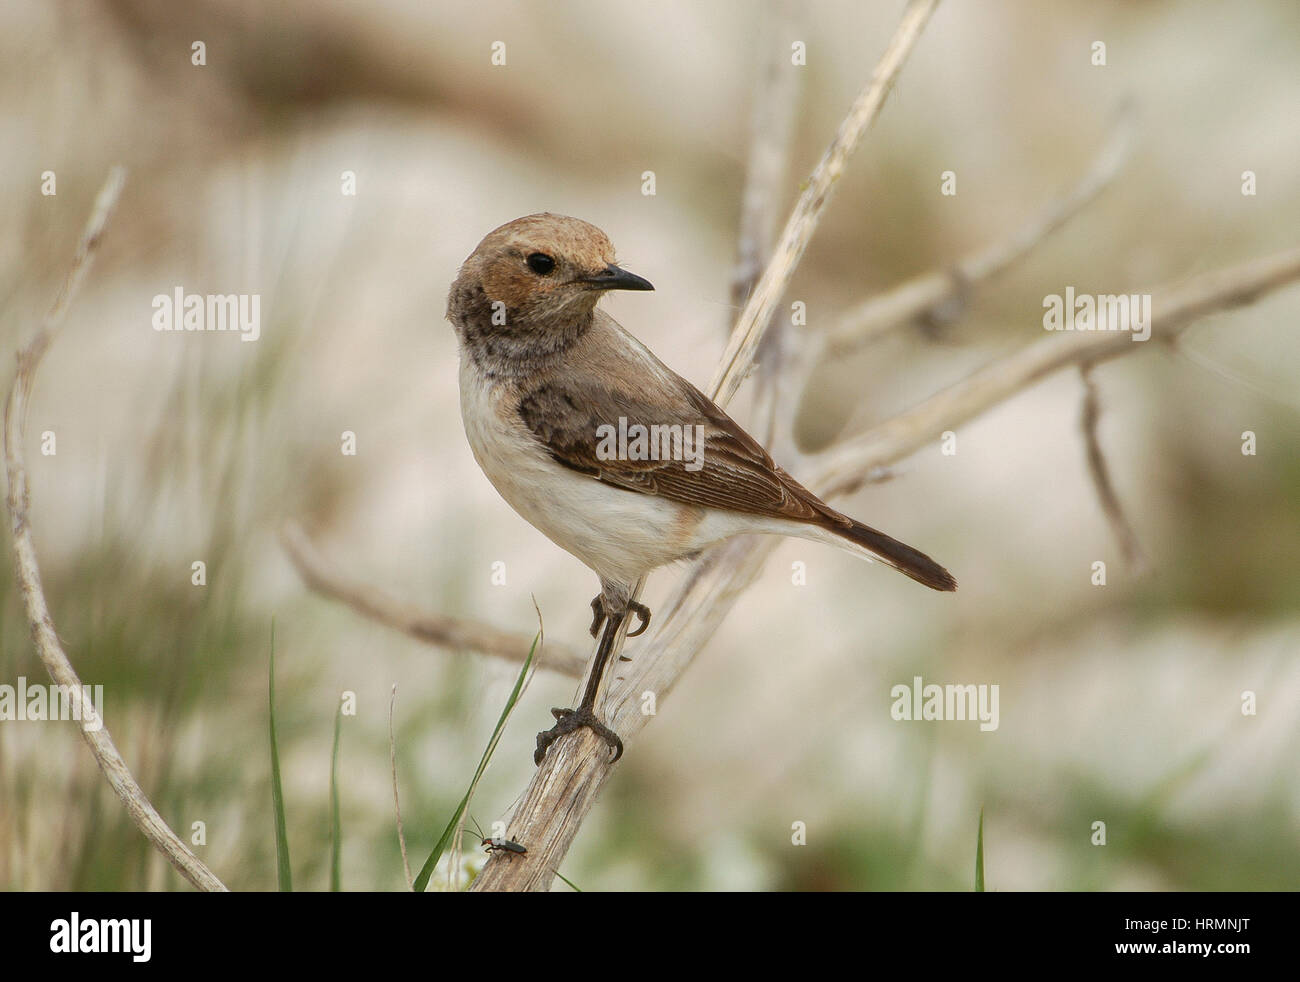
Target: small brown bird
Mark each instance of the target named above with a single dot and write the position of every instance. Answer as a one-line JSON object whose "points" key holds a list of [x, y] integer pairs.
{"points": [[607, 451]]}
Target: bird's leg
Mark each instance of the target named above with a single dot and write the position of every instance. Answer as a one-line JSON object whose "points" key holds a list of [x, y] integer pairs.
{"points": [[568, 720], [597, 614]]}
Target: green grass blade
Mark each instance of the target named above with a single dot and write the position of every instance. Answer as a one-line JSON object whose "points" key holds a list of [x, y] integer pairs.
{"points": [[336, 827], [979, 856], [572, 886], [426, 871], [283, 874]]}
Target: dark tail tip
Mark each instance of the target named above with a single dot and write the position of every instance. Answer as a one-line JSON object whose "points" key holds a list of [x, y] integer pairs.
{"points": [[905, 559]]}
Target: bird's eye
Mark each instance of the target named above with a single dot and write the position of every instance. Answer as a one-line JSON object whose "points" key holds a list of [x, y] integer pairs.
{"points": [[541, 264]]}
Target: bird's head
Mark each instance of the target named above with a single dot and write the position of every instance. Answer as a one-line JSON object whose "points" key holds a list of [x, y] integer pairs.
{"points": [[536, 276]]}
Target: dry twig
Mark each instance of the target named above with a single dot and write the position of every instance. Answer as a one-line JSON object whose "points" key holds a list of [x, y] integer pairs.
{"points": [[1120, 526], [772, 125], [772, 121], [46, 639], [397, 798], [808, 210], [1174, 308], [456, 633], [904, 303]]}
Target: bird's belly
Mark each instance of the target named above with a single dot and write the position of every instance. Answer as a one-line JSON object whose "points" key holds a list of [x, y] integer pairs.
{"points": [[618, 534]]}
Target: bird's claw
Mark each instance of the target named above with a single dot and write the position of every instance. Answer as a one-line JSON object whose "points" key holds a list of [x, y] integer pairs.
{"points": [[642, 614], [568, 720], [598, 617]]}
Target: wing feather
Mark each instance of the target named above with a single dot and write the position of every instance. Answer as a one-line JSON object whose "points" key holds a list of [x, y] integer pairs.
{"points": [[737, 473]]}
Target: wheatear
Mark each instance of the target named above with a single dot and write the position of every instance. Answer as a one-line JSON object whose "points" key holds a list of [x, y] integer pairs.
{"points": [[607, 451]]}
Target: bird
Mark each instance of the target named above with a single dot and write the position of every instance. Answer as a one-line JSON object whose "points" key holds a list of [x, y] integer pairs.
{"points": [[602, 447]]}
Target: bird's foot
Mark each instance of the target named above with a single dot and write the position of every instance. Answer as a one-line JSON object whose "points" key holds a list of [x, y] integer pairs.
{"points": [[598, 616], [568, 720]]}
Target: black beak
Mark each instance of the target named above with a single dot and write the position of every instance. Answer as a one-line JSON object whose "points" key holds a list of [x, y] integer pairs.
{"points": [[616, 278]]}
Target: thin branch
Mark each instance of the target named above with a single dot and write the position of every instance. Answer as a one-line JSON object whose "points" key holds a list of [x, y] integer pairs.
{"points": [[397, 798], [772, 127], [44, 635], [1175, 308], [775, 97], [934, 290], [1120, 526], [808, 211], [447, 632]]}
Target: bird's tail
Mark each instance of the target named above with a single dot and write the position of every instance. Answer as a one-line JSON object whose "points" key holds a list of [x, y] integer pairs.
{"points": [[872, 544]]}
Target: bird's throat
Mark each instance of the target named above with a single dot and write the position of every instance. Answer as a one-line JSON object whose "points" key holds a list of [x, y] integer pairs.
{"points": [[520, 348]]}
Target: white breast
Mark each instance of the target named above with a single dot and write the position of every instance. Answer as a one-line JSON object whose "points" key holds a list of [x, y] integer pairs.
{"points": [[619, 534]]}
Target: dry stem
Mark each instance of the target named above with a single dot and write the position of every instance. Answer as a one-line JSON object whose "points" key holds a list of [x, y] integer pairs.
{"points": [[808, 211], [44, 635], [457, 633]]}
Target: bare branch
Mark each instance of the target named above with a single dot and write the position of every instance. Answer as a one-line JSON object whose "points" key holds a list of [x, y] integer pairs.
{"points": [[775, 100], [44, 635], [1100, 473], [397, 798], [904, 303], [808, 211], [771, 126], [446, 632], [1175, 307]]}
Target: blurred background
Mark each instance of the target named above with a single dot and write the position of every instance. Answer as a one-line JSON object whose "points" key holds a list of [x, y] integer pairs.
{"points": [[1119, 704]]}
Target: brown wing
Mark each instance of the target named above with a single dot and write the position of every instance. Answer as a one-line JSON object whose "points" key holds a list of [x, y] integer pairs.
{"points": [[737, 473]]}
